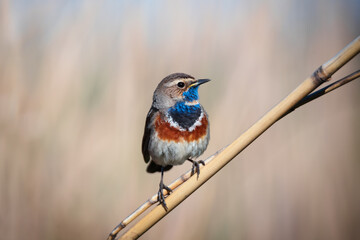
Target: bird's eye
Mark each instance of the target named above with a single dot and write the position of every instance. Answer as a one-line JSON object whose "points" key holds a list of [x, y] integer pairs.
{"points": [[181, 84]]}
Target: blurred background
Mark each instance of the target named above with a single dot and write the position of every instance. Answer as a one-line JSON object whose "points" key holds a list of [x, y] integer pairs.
{"points": [[76, 82]]}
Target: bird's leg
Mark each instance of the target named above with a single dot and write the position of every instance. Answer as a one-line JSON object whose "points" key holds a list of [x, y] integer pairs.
{"points": [[196, 166], [161, 197]]}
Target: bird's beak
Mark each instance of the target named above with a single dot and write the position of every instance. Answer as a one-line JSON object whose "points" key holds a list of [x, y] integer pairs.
{"points": [[199, 82]]}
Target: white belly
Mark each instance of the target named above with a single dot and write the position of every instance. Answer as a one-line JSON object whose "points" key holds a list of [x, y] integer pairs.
{"points": [[175, 153]]}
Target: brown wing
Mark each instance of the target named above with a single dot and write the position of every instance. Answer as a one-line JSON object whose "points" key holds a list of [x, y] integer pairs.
{"points": [[147, 134]]}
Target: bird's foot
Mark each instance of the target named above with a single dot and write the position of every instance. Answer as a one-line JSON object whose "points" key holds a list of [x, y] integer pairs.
{"points": [[196, 166], [161, 196]]}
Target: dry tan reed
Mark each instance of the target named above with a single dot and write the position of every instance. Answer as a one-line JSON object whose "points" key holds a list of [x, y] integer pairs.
{"points": [[218, 161]]}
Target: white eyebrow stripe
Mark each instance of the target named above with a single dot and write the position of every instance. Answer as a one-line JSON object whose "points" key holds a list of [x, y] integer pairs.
{"points": [[172, 83]]}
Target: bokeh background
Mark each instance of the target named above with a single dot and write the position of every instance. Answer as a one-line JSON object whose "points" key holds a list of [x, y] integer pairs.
{"points": [[76, 82]]}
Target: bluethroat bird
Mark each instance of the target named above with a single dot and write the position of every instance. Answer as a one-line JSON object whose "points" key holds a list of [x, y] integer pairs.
{"points": [[176, 128]]}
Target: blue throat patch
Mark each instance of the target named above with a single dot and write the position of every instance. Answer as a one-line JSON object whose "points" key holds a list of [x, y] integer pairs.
{"points": [[186, 115], [191, 94]]}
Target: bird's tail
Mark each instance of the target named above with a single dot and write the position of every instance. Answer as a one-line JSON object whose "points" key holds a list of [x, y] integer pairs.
{"points": [[153, 167]]}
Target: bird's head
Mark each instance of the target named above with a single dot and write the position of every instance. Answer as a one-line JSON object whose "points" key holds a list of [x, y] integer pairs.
{"points": [[177, 87]]}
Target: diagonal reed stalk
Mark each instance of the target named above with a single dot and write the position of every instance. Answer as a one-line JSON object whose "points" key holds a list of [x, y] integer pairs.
{"points": [[187, 175], [186, 184]]}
